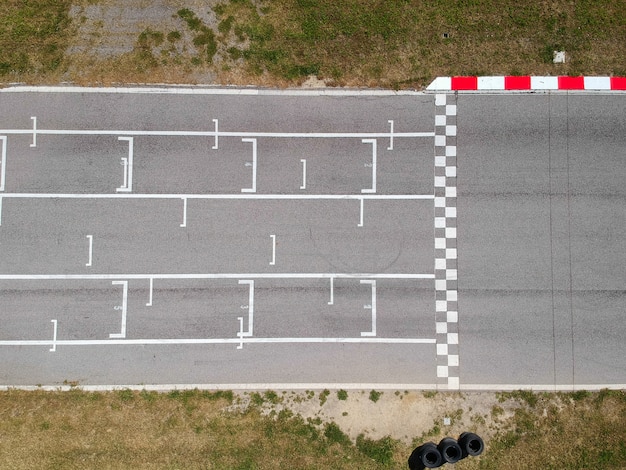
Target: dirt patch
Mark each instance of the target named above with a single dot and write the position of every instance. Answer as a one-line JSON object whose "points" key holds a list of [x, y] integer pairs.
{"points": [[403, 415], [112, 27], [116, 41]]}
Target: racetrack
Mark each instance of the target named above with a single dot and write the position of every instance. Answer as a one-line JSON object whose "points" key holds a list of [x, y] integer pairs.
{"points": [[224, 238]]}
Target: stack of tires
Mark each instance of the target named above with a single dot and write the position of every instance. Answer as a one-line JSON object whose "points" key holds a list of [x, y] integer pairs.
{"points": [[449, 450]]}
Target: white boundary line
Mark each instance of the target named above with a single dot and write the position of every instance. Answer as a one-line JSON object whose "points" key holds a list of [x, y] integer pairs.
{"points": [[3, 162], [540, 387], [250, 307], [218, 196], [167, 89], [184, 224], [90, 254], [273, 261], [128, 166], [254, 165], [313, 386], [282, 135], [87, 277], [372, 164], [151, 289], [122, 333], [372, 307], [54, 335], [34, 131], [116, 341], [303, 185]]}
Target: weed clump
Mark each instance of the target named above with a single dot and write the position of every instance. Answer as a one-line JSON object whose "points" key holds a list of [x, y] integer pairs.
{"points": [[375, 396]]}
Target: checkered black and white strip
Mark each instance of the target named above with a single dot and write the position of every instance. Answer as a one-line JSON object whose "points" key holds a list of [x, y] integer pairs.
{"points": [[446, 311]]}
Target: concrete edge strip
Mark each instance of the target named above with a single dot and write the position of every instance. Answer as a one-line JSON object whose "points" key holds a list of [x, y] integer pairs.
{"points": [[527, 83], [207, 90], [319, 386], [509, 83]]}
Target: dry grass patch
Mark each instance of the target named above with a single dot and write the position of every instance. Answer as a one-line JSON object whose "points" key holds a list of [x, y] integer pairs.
{"points": [[390, 43], [33, 38], [259, 430], [181, 429]]}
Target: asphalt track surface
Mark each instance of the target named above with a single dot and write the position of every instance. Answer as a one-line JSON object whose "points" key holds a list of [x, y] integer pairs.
{"points": [[248, 239]]}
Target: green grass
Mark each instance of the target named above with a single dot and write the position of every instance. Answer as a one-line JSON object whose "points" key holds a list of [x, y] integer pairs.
{"points": [[381, 451], [401, 42], [204, 37], [382, 43], [179, 429], [564, 431], [196, 429], [324, 396], [33, 37], [375, 396]]}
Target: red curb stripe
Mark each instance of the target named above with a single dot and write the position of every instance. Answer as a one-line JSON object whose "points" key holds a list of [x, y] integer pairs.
{"points": [[464, 83], [571, 83], [525, 82], [517, 82], [618, 83]]}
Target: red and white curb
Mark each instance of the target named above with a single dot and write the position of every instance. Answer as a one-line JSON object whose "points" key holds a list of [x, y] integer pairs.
{"points": [[522, 83]]}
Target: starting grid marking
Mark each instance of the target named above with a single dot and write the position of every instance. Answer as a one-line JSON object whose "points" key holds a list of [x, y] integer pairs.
{"points": [[445, 256], [446, 309]]}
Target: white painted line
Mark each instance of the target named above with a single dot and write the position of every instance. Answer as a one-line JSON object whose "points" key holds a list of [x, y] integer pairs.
{"points": [[332, 291], [124, 186], [3, 162], [34, 131], [240, 334], [183, 341], [402, 197], [128, 167], [90, 255], [250, 308], [149, 304], [187, 89], [184, 224], [273, 262], [86, 277], [372, 306], [360, 224], [225, 386], [373, 164], [54, 336], [303, 185], [281, 135], [166, 89], [254, 157], [390, 121], [312, 386], [216, 144], [124, 285], [309, 386], [542, 387]]}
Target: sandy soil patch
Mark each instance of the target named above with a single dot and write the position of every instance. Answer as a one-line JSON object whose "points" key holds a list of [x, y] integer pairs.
{"points": [[403, 415]]}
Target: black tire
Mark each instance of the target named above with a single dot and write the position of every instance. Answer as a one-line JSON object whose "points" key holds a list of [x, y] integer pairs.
{"points": [[425, 456], [471, 444], [450, 450]]}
